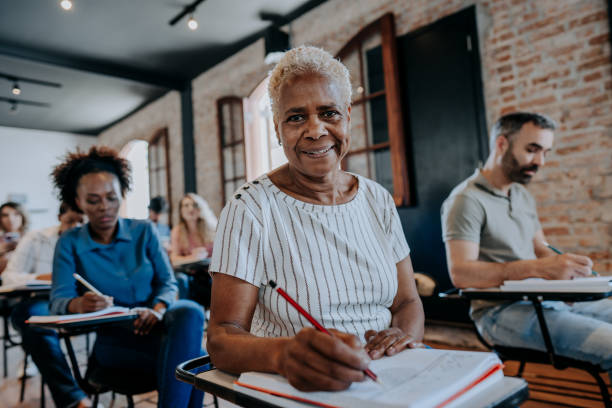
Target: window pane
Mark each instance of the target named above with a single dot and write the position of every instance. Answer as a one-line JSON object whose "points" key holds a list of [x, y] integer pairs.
{"points": [[239, 158], [377, 120], [228, 163], [161, 177], [229, 190], [226, 124], [358, 163], [382, 172], [374, 70], [358, 127], [351, 61], [236, 119]]}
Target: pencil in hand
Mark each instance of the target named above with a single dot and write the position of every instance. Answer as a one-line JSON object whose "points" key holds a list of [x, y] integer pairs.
{"points": [[558, 252], [315, 323]]}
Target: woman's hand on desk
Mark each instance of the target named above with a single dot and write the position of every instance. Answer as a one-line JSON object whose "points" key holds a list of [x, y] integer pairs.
{"points": [[89, 302], [147, 319], [389, 341], [315, 361]]}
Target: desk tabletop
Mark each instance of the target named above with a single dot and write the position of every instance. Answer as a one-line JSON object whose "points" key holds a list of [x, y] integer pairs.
{"points": [[509, 393], [498, 294]]}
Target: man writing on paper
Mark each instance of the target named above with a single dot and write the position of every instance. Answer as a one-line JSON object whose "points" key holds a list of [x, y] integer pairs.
{"points": [[492, 234]]}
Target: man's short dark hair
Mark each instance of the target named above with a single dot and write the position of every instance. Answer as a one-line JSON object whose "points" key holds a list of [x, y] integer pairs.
{"points": [[157, 204], [511, 123]]}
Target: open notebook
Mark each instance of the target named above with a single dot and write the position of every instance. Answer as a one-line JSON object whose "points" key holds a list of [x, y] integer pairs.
{"points": [[591, 284], [413, 378], [82, 317]]}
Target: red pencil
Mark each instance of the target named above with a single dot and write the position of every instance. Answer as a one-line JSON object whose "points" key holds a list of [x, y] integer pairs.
{"points": [[316, 324]]}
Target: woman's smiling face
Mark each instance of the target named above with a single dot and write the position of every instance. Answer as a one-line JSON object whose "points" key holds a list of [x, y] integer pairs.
{"points": [[313, 124]]}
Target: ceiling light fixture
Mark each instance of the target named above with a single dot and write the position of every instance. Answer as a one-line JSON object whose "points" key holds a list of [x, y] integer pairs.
{"points": [[14, 104], [192, 23], [187, 10], [16, 90], [66, 4]]}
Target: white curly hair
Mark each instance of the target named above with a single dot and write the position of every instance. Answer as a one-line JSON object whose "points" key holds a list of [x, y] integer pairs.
{"points": [[304, 60]]}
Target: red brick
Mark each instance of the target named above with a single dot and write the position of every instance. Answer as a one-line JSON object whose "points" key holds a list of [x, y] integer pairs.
{"points": [[592, 77], [594, 63], [600, 39], [528, 61], [556, 231]]}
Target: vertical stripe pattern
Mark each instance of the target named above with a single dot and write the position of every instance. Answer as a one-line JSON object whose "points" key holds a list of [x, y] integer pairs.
{"points": [[338, 262]]}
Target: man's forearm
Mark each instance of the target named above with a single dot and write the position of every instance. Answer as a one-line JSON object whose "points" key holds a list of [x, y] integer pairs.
{"points": [[480, 274]]}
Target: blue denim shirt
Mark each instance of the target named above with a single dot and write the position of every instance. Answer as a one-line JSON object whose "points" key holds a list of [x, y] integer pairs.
{"points": [[134, 268]]}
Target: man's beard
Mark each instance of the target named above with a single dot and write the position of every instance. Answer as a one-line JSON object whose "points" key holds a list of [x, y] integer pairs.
{"points": [[513, 170]]}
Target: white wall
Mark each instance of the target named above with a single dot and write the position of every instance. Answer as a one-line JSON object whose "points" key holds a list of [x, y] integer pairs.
{"points": [[27, 157]]}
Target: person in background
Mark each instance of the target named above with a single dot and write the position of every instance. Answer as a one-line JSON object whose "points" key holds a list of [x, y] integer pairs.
{"points": [[124, 260], [192, 239], [157, 207], [13, 224], [33, 257], [492, 234]]}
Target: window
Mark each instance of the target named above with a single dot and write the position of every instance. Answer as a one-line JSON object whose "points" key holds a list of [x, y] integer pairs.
{"points": [[159, 171], [137, 199], [263, 152], [231, 136], [377, 129]]}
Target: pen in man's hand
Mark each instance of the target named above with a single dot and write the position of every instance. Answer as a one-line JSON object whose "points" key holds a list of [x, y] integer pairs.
{"points": [[555, 250], [316, 324]]}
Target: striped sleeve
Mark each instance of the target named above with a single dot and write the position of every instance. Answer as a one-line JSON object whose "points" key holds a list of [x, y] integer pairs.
{"points": [[237, 246], [396, 235]]}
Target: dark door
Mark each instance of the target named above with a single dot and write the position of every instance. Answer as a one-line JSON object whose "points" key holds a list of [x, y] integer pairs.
{"points": [[446, 131]]}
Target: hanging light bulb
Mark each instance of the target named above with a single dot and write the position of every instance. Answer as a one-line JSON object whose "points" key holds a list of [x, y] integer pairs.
{"points": [[66, 4], [16, 90], [192, 23]]}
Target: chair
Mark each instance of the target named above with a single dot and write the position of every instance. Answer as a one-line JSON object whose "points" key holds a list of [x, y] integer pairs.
{"points": [[525, 355], [98, 380]]}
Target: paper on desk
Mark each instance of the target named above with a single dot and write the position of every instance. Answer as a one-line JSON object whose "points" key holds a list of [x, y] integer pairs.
{"points": [[78, 316], [591, 284], [412, 378], [25, 285]]}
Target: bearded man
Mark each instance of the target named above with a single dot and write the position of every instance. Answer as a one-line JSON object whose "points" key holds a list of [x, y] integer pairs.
{"points": [[492, 233]]}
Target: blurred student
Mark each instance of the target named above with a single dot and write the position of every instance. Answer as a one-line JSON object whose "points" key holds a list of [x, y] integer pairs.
{"points": [[33, 257], [192, 239], [13, 224], [157, 207]]}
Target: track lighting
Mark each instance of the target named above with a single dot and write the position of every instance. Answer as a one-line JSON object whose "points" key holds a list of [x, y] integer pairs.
{"points": [[192, 23], [66, 4], [188, 10], [16, 90]]}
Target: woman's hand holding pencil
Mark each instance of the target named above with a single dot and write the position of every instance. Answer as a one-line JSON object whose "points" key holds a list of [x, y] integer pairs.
{"points": [[322, 359], [92, 301]]}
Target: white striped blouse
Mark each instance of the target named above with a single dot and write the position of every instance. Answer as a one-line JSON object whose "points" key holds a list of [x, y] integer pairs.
{"points": [[336, 261]]}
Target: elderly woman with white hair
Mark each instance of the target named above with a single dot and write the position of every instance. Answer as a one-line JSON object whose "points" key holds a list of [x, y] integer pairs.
{"points": [[331, 239]]}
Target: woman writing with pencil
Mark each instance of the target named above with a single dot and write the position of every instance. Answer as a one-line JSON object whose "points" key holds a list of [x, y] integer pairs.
{"points": [[125, 264], [330, 239]]}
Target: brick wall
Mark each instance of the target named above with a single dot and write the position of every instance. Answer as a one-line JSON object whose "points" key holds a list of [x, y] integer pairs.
{"points": [[143, 125], [551, 56]]}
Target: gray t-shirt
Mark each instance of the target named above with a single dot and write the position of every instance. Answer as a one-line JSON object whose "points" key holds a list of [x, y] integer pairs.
{"points": [[503, 225]]}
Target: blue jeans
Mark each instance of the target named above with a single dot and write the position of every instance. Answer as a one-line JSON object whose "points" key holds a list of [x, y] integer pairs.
{"points": [[582, 331], [44, 347], [178, 339]]}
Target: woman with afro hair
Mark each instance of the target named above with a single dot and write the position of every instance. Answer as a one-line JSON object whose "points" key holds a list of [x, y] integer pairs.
{"points": [[123, 259]]}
